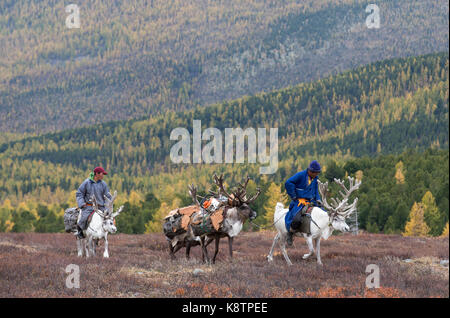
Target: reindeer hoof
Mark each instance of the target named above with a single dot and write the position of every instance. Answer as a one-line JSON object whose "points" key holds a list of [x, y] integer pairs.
{"points": [[306, 256], [269, 258]]}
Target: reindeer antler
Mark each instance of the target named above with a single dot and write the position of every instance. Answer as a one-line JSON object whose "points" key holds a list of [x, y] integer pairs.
{"points": [[109, 202], [340, 207], [239, 196], [193, 194], [219, 182], [95, 206], [241, 193]]}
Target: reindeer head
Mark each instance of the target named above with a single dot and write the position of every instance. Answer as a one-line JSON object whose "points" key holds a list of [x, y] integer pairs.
{"points": [[339, 210], [108, 216], [238, 198]]}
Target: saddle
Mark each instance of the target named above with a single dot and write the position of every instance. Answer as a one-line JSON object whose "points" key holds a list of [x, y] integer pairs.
{"points": [[305, 225], [90, 218], [302, 220]]}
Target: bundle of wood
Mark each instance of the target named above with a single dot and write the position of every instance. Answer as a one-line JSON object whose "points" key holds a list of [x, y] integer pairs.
{"points": [[204, 222], [177, 221]]}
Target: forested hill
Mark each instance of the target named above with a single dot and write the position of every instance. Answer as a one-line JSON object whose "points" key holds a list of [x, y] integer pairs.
{"points": [[382, 108], [135, 58]]}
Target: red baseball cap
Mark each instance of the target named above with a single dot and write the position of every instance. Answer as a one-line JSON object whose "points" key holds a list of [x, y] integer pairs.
{"points": [[100, 169]]}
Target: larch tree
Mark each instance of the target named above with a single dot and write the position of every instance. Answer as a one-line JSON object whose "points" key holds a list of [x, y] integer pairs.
{"points": [[416, 225], [445, 232], [399, 176], [274, 196]]}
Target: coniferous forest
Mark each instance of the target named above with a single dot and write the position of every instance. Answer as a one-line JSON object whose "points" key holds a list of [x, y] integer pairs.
{"points": [[385, 123]]}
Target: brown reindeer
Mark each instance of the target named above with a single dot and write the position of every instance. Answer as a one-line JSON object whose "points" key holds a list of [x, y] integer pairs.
{"points": [[235, 212]]}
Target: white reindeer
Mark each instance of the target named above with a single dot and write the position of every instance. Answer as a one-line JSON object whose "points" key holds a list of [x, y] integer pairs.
{"points": [[102, 223], [322, 223]]}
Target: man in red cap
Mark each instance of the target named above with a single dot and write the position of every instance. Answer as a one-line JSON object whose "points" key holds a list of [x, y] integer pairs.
{"points": [[94, 185]]}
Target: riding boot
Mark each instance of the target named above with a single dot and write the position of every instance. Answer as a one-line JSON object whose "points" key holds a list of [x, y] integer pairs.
{"points": [[79, 233]]}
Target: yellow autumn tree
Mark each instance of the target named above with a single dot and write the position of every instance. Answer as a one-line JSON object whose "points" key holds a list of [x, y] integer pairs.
{"points": [[416, 225], [445, 232], [399, 176], [274, 196], [359, 175], [7, 205], [135, 198], [155, 225]]}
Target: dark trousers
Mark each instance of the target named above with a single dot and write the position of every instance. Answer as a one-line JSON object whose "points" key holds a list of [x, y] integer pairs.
{"points": [[85, 212], [297, 220]]}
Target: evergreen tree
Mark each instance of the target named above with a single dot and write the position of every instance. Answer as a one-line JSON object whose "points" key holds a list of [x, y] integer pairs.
{"points": [[431, 214]]}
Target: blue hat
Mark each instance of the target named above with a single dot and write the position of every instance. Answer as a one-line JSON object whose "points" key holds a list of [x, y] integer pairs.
{"points": [[314, 166]]}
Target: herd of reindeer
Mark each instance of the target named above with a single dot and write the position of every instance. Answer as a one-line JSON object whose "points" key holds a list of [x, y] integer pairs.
{"points": [[222, 214]]}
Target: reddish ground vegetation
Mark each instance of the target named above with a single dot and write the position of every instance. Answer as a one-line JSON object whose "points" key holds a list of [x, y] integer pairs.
{"points": [[33, 265]]}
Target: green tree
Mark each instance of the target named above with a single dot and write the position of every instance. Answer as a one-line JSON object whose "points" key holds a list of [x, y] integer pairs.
{"points": [[334, 171], [23, 221], [431, 214]]}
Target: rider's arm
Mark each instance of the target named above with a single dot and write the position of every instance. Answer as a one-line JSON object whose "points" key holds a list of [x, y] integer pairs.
{"points": [[81, 193], [291, 184], [106, 191], [317, 197]]}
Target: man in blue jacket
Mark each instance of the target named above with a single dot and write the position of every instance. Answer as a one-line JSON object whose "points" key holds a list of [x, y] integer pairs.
{"points": [[94, 185], [303, 189]]}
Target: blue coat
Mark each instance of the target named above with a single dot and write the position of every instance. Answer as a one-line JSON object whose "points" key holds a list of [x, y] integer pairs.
{"points": [[298, 186]]}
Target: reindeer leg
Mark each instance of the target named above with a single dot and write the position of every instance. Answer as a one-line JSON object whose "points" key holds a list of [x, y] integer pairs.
{"points": [[94, 252], [217, 238], [230, 246], [91, 246], [210, 239], [171, 253], [86, 247], [79, 248], [106, 253], [204, 250], [319, 261], [188, 249], [282, 244], [178, 246], [275, 240], [310, 246]]}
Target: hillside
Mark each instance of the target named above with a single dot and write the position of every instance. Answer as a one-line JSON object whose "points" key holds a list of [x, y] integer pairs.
{"points": [[136, 58], [382, 108], [378, 119], [33, 265]]}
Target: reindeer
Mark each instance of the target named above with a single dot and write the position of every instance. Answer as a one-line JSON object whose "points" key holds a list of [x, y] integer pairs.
{"points": [[102, 223], [237, 212], [322, 223]]}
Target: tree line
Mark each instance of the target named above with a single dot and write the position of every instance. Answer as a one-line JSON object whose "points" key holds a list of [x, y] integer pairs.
{"points": [[405, 194]]}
